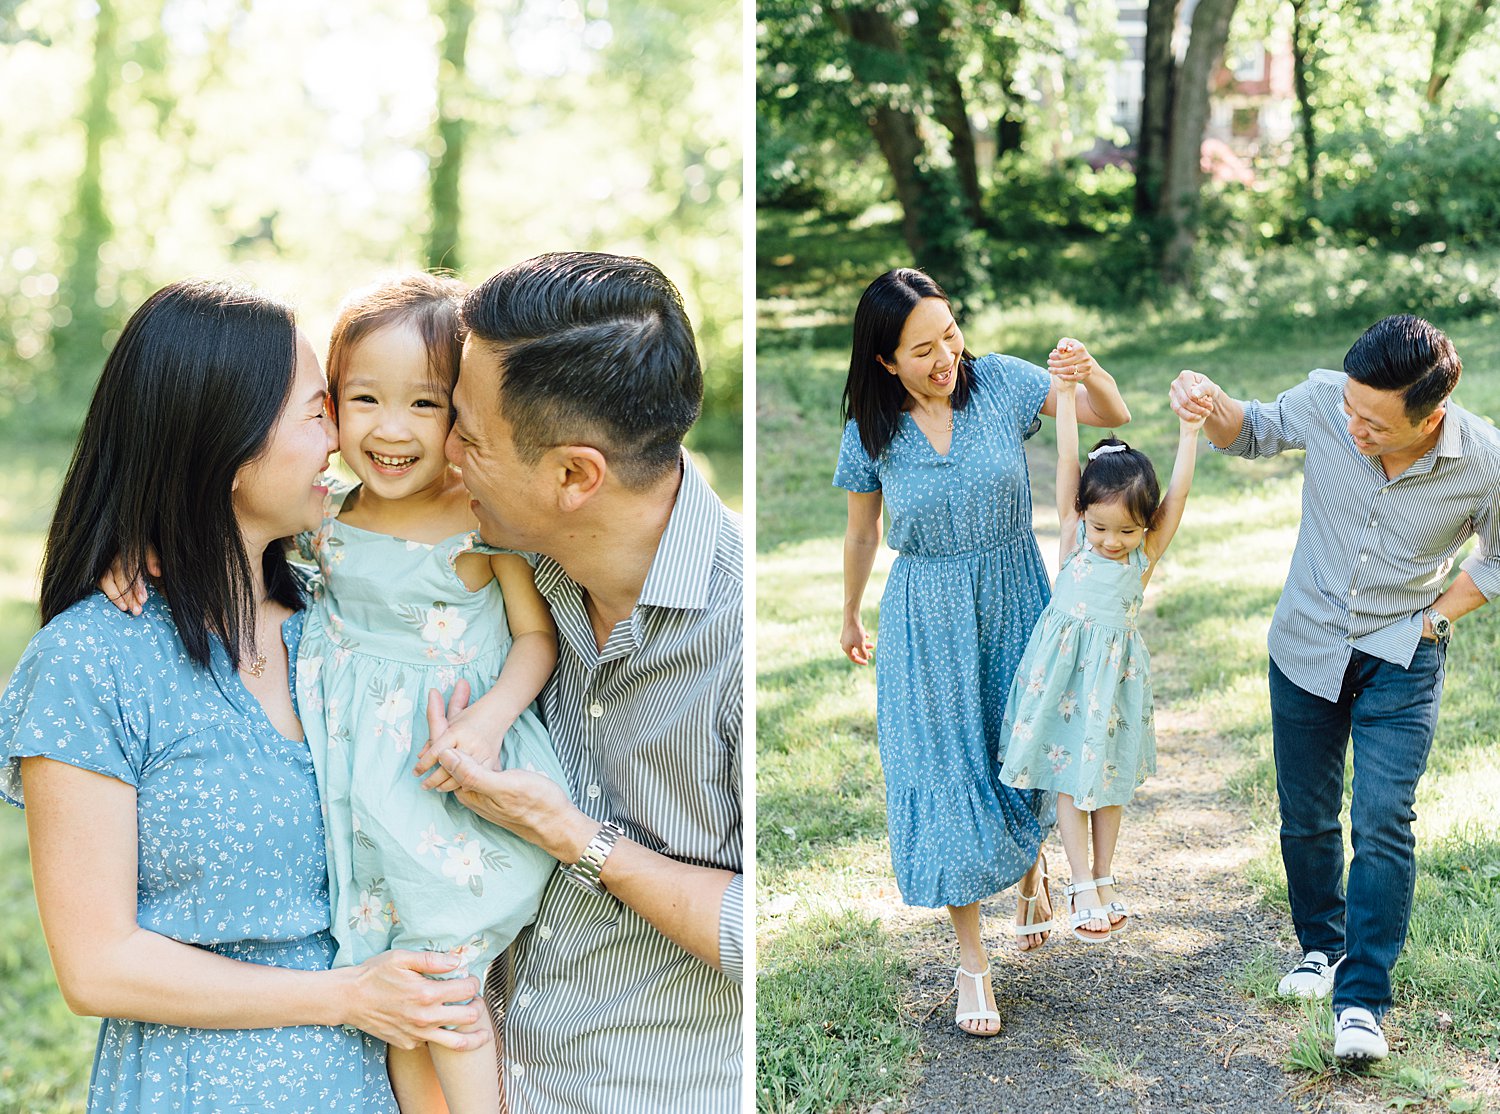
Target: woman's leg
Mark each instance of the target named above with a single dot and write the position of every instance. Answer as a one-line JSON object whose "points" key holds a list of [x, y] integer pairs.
{"points": [[1073, 828], [972, 957], [1105, 824]]}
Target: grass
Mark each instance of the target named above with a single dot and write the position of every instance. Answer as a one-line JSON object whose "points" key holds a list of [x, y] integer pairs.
{"points": [[822, 852]]}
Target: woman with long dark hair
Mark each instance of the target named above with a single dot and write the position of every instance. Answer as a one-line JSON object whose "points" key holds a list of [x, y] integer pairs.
{"points": [[176, 835], [934, 436]]}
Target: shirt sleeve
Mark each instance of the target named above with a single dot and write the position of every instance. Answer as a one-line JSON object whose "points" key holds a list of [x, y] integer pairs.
{"points": [[65, 702], [1483, 565], [732, 929], [855, 471], [1270, 428], [1026, 388]]}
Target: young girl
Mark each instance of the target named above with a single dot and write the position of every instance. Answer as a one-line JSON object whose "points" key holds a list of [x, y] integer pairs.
{"points": [[410, 601], [1079, 718]]}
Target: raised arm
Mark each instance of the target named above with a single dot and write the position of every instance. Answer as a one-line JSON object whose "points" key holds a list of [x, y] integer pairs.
{"points": [[1174, 502], [861, 543], [1095, 390], [1067, 473], [1196, 397], [109, 966]]}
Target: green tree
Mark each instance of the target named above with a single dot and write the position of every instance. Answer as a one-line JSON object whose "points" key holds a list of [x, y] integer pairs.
{"points": [[447, 159]]}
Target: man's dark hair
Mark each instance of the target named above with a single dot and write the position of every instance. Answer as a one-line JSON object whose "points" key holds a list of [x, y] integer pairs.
{"points": [[1407, 354], [190, 393], [594, 348], [874, 397]]}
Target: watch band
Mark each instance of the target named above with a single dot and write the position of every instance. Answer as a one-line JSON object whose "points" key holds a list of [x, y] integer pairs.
{"points": [[1442, 626], [585, 872]]}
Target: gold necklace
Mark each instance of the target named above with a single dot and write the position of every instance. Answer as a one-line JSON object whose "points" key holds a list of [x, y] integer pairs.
{"points": [[916, 412]]}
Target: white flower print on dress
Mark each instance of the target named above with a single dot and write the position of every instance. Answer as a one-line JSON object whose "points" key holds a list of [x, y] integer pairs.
{"points": [[1067, 705], [1035, 682], [1079, 610], [430, 841], [1023, 731], [1023, 779], [1059, 757], [368, 914], [443, 625], [465, 861]]}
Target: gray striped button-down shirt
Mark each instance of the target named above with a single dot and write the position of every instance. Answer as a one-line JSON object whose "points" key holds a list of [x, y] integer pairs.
{"points": [[1371, 552], [602, 1012]]}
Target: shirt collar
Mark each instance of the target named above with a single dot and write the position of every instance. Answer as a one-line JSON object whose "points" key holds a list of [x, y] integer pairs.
{"points": [[679, 574], [1450, 440]]}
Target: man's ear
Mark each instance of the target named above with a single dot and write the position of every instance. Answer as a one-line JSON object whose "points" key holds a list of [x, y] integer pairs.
{"points": [[1430, 422], [580, 472]]}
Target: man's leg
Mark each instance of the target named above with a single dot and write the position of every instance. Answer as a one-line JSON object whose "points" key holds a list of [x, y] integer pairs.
{"points": [[1310, 736], [1395, 714]]}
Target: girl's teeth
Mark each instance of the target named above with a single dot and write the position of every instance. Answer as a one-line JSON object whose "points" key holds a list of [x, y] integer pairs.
{"points": [[393, 461]]}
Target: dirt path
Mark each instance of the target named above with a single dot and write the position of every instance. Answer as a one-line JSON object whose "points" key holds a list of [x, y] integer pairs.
{"points": [[1149, 1022]]}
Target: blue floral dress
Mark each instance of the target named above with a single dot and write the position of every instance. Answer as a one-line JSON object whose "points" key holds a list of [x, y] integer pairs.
{"points": [[960, 601], [1080, 717], [410, 867], [230, 856]]}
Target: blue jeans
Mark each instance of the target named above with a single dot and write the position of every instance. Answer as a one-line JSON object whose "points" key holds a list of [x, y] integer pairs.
{"points": [[1391, 714]]}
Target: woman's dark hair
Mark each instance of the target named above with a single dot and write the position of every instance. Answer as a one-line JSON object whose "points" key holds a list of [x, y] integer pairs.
{"points": [[190, 394], [1407, 354], [1125, 474], [874, 397], [428, 302]]}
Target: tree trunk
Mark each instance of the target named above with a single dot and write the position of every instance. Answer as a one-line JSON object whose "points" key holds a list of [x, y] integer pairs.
{"points": [[446, 172], [1009, 129], [1157, 85], [933, 36], [1457, 24], [78, 344], [1183, 179], [875, 57], [1303, 41]]}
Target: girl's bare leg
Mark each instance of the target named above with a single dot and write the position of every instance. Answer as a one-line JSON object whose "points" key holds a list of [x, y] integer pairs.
{"points": [[1073, 827], [414, 1081], [1106, 826]]}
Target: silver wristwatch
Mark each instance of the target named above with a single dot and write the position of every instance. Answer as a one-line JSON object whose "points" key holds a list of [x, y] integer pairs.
{"points": [[585, 872], [1442, 626]]}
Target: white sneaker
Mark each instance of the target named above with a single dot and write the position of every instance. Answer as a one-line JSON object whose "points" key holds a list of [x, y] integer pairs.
{"points": [[1357, 1036], [1312, 978]]}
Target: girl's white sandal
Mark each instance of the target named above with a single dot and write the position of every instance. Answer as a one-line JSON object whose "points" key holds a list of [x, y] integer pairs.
{"points": [[1082, 917], [1115, 908]]}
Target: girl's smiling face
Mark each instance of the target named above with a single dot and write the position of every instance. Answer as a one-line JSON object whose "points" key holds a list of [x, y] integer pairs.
{"points": [[1112, 530], [928, 351], [393, 419]]}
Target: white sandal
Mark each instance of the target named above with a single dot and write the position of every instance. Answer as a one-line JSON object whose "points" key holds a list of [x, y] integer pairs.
{"points": [[1028, 926], [980, 1014], [1115, 908], [1081, 917]]}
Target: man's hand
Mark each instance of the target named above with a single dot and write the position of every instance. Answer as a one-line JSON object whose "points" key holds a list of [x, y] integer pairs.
{"points": [[529, 804], [1192, 396]]}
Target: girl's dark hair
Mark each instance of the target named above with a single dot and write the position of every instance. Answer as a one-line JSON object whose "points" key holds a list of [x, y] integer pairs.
{"points": [[189, 395], [429, 302], [1125, 474], [874, 397]]}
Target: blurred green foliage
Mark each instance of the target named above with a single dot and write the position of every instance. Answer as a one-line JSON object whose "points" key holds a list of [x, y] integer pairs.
{"points": [[289, 144]]}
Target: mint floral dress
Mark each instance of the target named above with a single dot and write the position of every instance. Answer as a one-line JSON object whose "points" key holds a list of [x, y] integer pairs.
{"points": [[410, 867], [1080, 717], [230, 855]]}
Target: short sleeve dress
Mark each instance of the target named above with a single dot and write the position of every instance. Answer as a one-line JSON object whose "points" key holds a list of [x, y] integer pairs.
{"points": [[962, 596], [410, 867], [1080, 719], [230, 857]]}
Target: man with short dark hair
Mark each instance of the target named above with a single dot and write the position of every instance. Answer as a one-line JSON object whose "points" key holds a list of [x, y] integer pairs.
{"points": [[1396, 478], [579, 379]]}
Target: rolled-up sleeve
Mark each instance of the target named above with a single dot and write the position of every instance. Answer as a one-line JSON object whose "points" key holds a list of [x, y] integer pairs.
{"points": [[1483, 565], [1272, 427], [732, 929]]}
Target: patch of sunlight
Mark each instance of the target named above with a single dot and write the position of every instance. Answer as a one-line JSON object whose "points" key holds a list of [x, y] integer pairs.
{"points": [[1455, 800]]}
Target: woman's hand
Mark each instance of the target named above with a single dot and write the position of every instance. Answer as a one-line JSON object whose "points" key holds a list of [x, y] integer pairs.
{"points": [[1070, 361], [858, 646], [393, 1000]]}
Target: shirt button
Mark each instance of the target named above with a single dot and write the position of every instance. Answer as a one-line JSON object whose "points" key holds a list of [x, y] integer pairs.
{"points": [[593, 791], [518, 1070], [1364, 556], [596, 709], [544, 931], [1354, 591], [522, 1002], [1372, 522]]}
